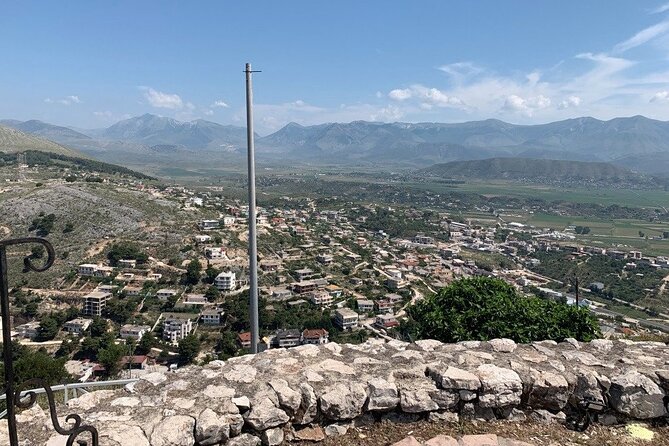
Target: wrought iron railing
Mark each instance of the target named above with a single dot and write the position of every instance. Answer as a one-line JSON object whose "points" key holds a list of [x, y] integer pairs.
{"points": [[16, 398]]}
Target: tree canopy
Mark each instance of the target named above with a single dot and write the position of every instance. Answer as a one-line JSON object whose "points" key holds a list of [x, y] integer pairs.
{"points": [[483, 308]]}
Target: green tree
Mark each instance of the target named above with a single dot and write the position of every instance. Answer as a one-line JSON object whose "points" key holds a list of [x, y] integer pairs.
{"points": [[98, 327], [193, 272], [48, 329], [147, 342], [30, 310], [483, 308], [189, 347], [212, 293], [110, 357], [126, 250]]}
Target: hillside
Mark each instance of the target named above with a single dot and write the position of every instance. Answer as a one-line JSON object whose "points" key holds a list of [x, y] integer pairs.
{"points": [[12, 141], [59, 134], [543, 170]]}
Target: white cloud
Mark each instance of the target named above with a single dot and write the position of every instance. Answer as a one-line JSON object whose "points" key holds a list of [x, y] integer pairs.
{"points": [[67, 100], [526, 105], [219, 103], [400, 94], [428, 97], [571, 101], [660, 9], [460, 71], [103, 114], [643, 36], [159, 99], [660, 96]]}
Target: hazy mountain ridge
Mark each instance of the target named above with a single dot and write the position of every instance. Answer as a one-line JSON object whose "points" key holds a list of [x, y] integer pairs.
{"points": [[635, 141]]}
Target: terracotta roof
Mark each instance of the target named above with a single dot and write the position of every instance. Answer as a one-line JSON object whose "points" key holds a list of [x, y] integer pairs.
{"points": [[314, 333]]}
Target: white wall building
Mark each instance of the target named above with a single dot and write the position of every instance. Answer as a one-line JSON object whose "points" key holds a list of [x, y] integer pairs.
{"points": [[226, 281]]}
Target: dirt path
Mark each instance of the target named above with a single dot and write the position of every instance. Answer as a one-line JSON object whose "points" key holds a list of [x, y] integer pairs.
{"points": [[97, 248]]}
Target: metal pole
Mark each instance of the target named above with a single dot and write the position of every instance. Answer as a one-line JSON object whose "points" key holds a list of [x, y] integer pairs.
{"points": [[253, 248], [7, 350]]}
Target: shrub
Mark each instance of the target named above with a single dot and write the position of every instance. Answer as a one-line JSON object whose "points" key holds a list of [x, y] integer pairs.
{"points": [[483, 308]]}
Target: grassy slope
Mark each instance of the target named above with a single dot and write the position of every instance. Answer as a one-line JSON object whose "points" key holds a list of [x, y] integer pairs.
{"points": [[12, 141]]}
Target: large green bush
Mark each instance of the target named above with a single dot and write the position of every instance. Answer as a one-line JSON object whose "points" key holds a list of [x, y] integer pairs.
{"points": [[483, 308]]}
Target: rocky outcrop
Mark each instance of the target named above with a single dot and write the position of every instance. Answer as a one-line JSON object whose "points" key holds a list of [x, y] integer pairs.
{"points": [[311, 391]]}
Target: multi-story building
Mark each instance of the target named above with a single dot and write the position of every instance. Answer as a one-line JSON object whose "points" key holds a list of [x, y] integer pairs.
{"points": [[214, 252], [365, 305], [304, 287], [95, 302], [226, 281], [321, 298], [345, 318], [177, 326], [87, 269], [287, 338], [211, 316]]}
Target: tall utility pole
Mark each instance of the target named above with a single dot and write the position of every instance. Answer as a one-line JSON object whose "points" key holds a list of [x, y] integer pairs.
{"points": [[253, 245]]}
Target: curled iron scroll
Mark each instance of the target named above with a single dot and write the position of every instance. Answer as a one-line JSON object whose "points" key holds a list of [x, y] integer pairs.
{"points": [[28, 260]]}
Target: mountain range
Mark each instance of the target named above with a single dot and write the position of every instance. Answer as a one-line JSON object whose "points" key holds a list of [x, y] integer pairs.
{"points": [[636, 142]]}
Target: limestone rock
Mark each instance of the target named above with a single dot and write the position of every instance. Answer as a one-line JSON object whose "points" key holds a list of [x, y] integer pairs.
{"points": [[244, 440], [308, 410], [636, 395], [289, 399], [454, 378], [335, 430], [503, 345], [500, 387], [549, 391], [272, 437], [416, 401], [343, 401], [176, 430], [242, 403], [210, 428], [265, 415], [382, 395]]}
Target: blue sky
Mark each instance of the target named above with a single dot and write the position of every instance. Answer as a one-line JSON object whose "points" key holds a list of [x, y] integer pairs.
{"points": [[89, 64]]}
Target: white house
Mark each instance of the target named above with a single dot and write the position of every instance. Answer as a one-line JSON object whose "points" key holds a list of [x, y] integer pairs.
{"points": [[204, 238], [127, 263], [135, 332], [87, 269], [177, 326], [226, 281], [214, 252], [77, 326], [345, 318], [211, 316], [166, 293], [228, 220], [321, 298]]}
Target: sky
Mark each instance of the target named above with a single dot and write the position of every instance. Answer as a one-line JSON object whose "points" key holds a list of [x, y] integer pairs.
{"points": [[89, 64]]}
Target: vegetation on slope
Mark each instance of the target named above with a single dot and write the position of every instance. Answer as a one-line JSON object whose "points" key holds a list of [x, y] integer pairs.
{"points": [[35, 157], [13, 141], [526, 168], [483, 308]]}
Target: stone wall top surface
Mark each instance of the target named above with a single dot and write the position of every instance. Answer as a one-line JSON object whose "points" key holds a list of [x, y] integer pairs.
{"points": [[260, 397]]}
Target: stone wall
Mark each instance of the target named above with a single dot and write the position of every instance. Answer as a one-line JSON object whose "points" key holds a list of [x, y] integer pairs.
{"points": [[306, 391]]}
